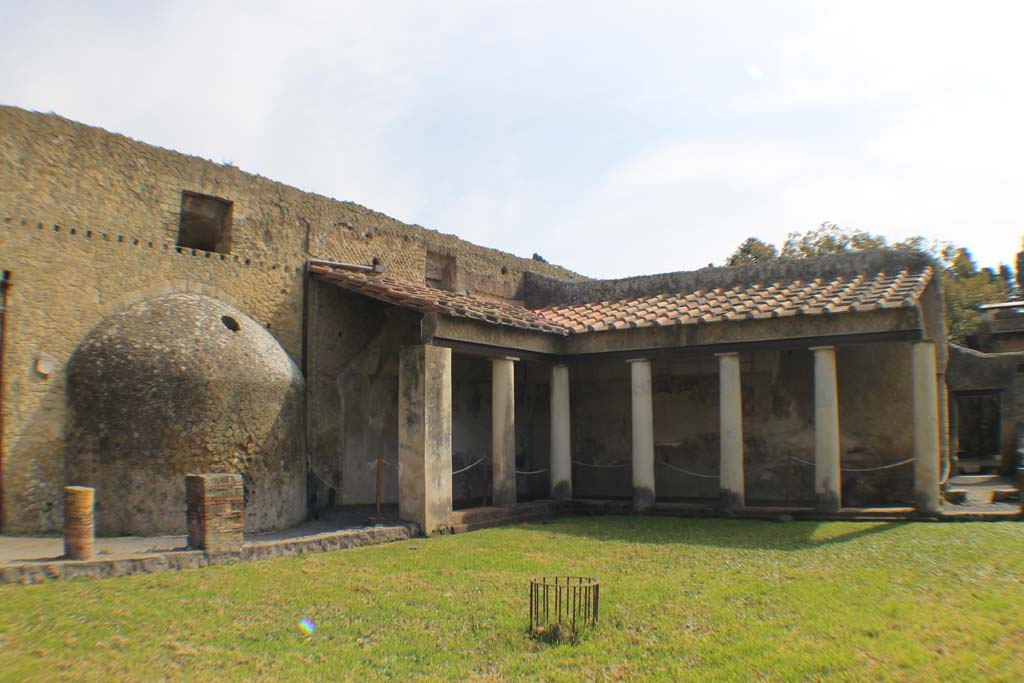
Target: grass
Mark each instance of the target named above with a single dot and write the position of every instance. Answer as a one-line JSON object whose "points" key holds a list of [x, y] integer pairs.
{"points": [[682, 600]]}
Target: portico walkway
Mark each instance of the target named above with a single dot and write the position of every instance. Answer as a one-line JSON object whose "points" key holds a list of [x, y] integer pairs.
{"points": [[730, 315]]}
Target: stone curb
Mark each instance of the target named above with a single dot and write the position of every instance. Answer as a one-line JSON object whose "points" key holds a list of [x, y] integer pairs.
{"points": [[154, 563]]}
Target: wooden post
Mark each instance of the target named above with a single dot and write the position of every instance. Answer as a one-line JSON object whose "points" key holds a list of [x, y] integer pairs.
{"points": [[380, 469]]}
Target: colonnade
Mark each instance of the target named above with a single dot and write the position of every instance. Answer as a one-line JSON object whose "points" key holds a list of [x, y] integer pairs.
{"points": [[425, 432]]}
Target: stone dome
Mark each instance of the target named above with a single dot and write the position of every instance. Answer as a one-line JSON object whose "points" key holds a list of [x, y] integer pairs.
{"points": [[184, 384]]}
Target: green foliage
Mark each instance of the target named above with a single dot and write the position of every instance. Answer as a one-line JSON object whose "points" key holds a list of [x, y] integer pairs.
{"points": [[682, 600], [752, 250], [1020, 269], [964, 286], [829, 239], [964, 289]]}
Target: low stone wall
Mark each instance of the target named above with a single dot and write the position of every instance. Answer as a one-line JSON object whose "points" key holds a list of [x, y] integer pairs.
{"points": [[40, 572]]}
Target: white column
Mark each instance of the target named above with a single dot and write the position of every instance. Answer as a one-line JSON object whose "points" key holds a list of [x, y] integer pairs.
{"points": [[926, 428], [503, 431], [643, 434], [730, 482], [561, 447], [827, 475]]}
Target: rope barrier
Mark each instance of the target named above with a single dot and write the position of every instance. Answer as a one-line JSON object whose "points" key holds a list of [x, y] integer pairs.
{"points": [[682, 471], [468, 467], [890, 466], [527, 473]]}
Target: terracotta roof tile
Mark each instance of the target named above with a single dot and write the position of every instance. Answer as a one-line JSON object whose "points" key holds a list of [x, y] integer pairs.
{"points": [[764, 300], [865, 292], [429, 300]]}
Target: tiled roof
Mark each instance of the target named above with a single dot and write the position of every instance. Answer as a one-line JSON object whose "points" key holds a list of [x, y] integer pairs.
{"points": [[744, 302], [430, 300], [775, 300]]}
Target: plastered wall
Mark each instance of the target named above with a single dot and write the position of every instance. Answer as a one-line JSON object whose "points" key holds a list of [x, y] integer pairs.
{"points": [[778, 411]]}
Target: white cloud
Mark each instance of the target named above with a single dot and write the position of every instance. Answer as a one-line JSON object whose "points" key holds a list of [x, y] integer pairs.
{"points": [[561, 129], [744, 164]]}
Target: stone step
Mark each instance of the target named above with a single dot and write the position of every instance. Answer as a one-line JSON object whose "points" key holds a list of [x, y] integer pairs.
{"points": [[1006, 495], [483, 517], [970, 514], [955, 496], [975, 480]]}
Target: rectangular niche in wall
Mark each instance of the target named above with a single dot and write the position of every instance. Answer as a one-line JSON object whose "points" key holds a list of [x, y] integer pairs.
{"points": [[440, 270], [205, 223]]}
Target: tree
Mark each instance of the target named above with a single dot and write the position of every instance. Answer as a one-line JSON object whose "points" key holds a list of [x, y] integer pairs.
{"points": [[965, 287], [829, 239], [1020, 269], [752, 250]]}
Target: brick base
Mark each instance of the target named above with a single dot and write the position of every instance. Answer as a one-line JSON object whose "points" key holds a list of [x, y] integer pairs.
{"points": [[215, 511]]}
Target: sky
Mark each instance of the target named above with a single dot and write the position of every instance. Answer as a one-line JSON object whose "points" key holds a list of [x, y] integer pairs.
{"points": [[614, 138]]}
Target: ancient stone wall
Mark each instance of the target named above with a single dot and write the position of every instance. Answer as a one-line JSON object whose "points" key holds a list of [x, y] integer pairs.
{"points": [[59, 171], [64, 282], [179, 384], [89, 224], [1003, 374]]}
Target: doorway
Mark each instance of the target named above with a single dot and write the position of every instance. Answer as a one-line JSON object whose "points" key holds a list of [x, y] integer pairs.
{"points": [[978, 430]]}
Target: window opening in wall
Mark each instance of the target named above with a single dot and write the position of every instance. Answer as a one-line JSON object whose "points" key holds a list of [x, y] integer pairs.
{"points": [[205, 223]]}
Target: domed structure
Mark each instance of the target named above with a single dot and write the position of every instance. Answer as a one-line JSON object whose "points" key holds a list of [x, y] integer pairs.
{"points": [[184, 384]]}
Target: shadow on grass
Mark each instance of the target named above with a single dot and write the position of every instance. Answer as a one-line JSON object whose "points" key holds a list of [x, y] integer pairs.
{"points": [[719, 533]]}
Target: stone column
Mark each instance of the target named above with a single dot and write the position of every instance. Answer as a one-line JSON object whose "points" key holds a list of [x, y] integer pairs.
{"points": [[926, 428], [215, 512], [730, 406], [827, 475], [425, 436], [561, 446], [503, 431], [79, 522], [643, 434]]}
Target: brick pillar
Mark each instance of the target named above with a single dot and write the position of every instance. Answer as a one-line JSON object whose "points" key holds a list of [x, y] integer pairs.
{"points": [[215, 511]]}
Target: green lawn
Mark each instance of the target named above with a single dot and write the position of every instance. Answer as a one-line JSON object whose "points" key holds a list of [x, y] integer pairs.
{"points": [[682, 600]]}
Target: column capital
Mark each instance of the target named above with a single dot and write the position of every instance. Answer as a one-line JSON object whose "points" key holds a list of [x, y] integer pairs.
{"points": [[514, 359], [727, 354], [918, 342], [638, 360], [823, 348]]}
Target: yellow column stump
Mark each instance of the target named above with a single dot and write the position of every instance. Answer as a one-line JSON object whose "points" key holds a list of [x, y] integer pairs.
{"points": [[79, 522]]}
